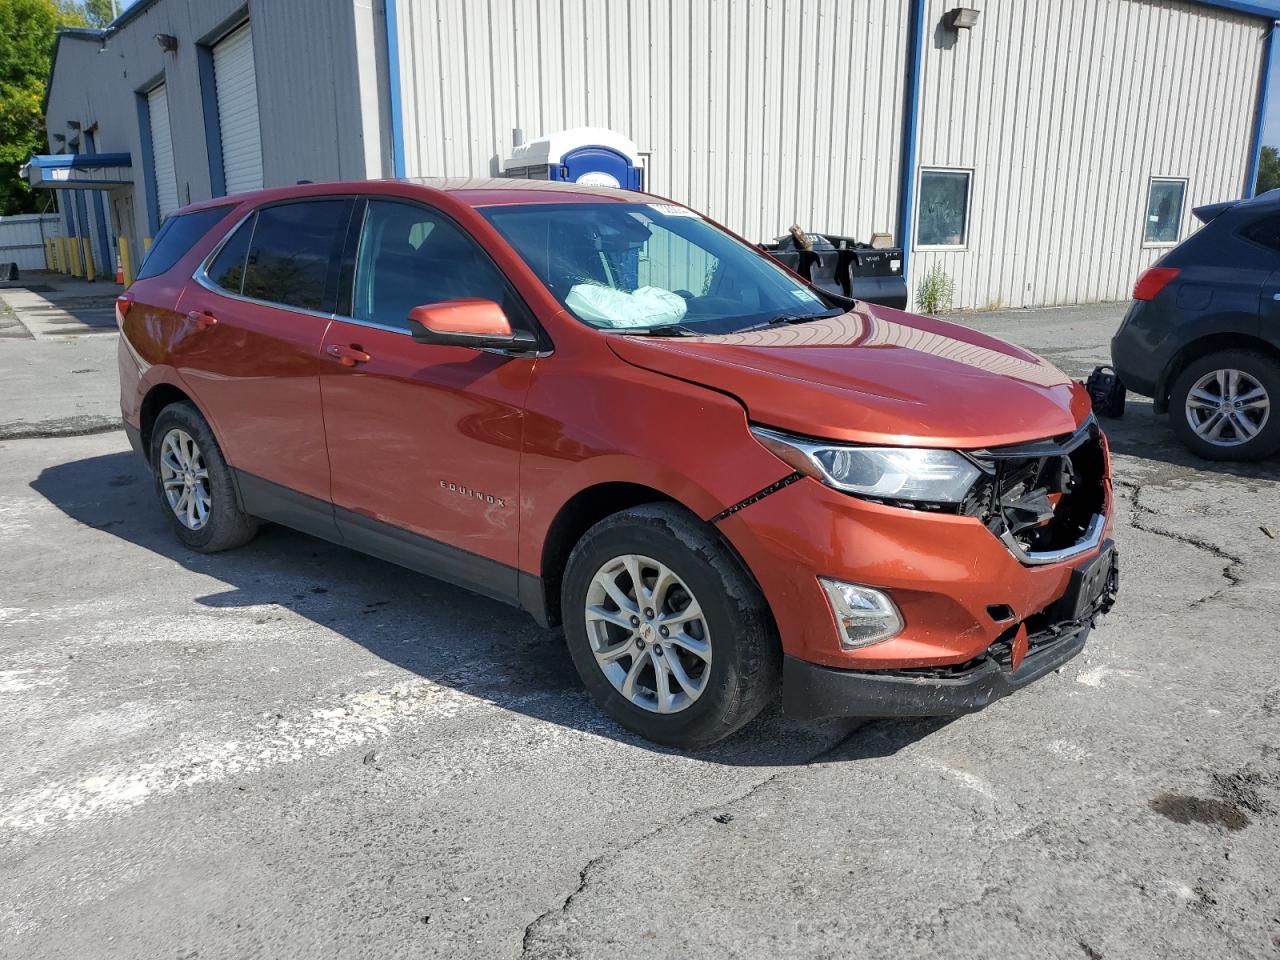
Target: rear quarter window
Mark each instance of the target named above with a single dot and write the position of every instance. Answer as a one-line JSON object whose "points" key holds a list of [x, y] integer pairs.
{"points": [[227, 268], [1265, 232], [177, 236]]}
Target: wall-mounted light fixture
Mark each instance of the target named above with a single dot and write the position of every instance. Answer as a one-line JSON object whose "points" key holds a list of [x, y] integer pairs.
{"points": [[168, 42], [962, 18]]}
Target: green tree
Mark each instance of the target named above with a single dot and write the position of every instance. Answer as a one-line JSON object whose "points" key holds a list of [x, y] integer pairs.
{"points": [[1268, 169], [98, 12], [27, 30]]}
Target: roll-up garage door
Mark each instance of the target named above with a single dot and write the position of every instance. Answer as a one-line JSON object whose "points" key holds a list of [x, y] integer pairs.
{"points": [[238, 111], [162, 151]]}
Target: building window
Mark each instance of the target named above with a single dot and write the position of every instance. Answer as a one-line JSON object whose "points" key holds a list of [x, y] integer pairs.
{"points": [[943, 218], [1164, 211]]}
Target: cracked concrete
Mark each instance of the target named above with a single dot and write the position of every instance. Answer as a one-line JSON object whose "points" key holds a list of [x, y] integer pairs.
{"points": [[294, 751]]}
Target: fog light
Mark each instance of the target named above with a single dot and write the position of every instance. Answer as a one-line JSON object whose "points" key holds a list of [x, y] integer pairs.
{"points": [[863, 616]]}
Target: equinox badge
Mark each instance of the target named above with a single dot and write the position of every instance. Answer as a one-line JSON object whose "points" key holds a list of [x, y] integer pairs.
{"points": [[472, 493]]}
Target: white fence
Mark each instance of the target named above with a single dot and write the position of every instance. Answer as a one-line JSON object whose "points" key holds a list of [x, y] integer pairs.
{"points": [[22, 238]]}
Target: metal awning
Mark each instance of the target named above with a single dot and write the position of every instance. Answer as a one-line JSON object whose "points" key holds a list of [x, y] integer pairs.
{"points": [[78, 171]]}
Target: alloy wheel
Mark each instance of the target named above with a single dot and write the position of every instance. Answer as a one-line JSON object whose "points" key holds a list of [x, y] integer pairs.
{"points": [[1227, 407], [184, 478], [648, 633]]}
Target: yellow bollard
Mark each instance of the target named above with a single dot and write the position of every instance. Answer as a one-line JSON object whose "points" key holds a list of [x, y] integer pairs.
{"points": [[89, 272], [75, 257], [63, 267], [126, 260]]}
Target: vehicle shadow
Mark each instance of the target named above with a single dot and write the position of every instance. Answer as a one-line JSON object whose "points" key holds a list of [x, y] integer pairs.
{"points": [[447, 635], [1143, 433]]}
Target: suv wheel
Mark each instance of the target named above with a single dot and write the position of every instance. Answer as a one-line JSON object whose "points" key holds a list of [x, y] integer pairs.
{"points": [[1223, 406], [194, 482], [670, 635]]}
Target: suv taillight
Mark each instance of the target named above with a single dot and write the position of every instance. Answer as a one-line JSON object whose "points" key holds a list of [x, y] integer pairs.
{"points": [[1152, 282]]}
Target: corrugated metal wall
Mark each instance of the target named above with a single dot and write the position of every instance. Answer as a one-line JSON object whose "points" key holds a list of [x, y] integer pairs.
{"points": [[767, 112], [1064, 111], [22, 238], [760, 114]]}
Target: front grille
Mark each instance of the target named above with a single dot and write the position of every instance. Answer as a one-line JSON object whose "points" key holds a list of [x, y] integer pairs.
{"points": [[1043, 496]]}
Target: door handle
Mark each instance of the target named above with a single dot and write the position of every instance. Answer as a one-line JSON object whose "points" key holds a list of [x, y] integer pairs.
{"points": [[202, 319], [348, 356]]}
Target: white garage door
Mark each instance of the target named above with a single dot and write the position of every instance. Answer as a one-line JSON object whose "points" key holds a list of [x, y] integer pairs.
{"points": [[162, 152], [238, 111]]}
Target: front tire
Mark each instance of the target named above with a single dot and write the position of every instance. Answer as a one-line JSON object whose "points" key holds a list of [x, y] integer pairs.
{"points": [[671, 636], [194, 483], [1224, 406]]}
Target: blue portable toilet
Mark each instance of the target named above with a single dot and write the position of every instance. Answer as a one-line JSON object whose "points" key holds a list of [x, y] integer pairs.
{"points": [[592, 156]]}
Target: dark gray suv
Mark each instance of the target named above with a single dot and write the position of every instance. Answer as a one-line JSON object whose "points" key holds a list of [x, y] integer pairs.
{"points": [[1202, 338]]}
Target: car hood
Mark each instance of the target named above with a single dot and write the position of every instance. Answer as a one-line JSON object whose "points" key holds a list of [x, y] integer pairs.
{"points": [[876, 375]]}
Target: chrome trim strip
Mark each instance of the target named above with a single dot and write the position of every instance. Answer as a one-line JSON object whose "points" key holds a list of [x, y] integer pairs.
{"points": [[373, 324], [1036, 558], [1041, 448]]}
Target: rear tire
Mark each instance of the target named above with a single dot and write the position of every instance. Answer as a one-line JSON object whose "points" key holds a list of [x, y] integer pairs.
{"points": [[699, 618], [194, 483], [1226, 406]]}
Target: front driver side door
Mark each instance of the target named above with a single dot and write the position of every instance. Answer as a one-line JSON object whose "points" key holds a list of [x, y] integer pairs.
{"points": [[424, 441]]}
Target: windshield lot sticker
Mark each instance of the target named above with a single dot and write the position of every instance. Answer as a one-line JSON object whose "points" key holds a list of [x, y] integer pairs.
{"points": [[673, 210], [804, 296]]}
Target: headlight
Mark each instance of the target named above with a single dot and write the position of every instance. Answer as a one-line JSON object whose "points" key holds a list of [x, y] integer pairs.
{"points": [[885, 473]]}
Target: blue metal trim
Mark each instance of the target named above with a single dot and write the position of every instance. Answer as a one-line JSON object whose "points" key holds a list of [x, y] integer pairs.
{"points": [[1270, 54], [1258, 8], [212, 122], [148, 164], [82, 223], [80, 161], [393, 71], [910, 134], [100, 215]]}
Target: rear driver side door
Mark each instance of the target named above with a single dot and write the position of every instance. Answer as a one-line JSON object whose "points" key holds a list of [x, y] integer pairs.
{"points": [[424, 440], [262, 303]]}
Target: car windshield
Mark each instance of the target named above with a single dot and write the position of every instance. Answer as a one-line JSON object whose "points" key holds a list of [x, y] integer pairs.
{"points": [[652, 267]]}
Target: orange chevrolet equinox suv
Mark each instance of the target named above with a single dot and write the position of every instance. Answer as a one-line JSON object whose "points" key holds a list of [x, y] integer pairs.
{"points": [[603, 408]]}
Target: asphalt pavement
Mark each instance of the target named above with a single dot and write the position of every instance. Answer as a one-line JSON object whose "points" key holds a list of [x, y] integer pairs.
{"points": [[292, 750]]}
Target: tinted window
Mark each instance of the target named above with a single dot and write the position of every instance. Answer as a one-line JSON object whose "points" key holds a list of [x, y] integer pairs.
{"points": [[409, 256], [178, 235], [1265, 231], [227, 269], [291, 252]]}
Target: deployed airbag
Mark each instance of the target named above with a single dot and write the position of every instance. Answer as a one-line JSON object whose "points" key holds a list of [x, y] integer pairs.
{"points": [[608, 307]]}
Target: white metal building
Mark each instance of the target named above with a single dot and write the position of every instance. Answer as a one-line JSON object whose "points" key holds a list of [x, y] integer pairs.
{"points": [[1040, 152]]}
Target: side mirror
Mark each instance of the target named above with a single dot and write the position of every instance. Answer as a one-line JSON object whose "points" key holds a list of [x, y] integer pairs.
{"points": [[479, 324]]}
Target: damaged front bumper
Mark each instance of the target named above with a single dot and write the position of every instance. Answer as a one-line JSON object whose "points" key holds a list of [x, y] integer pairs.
{"points": [[1021, 655]]}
